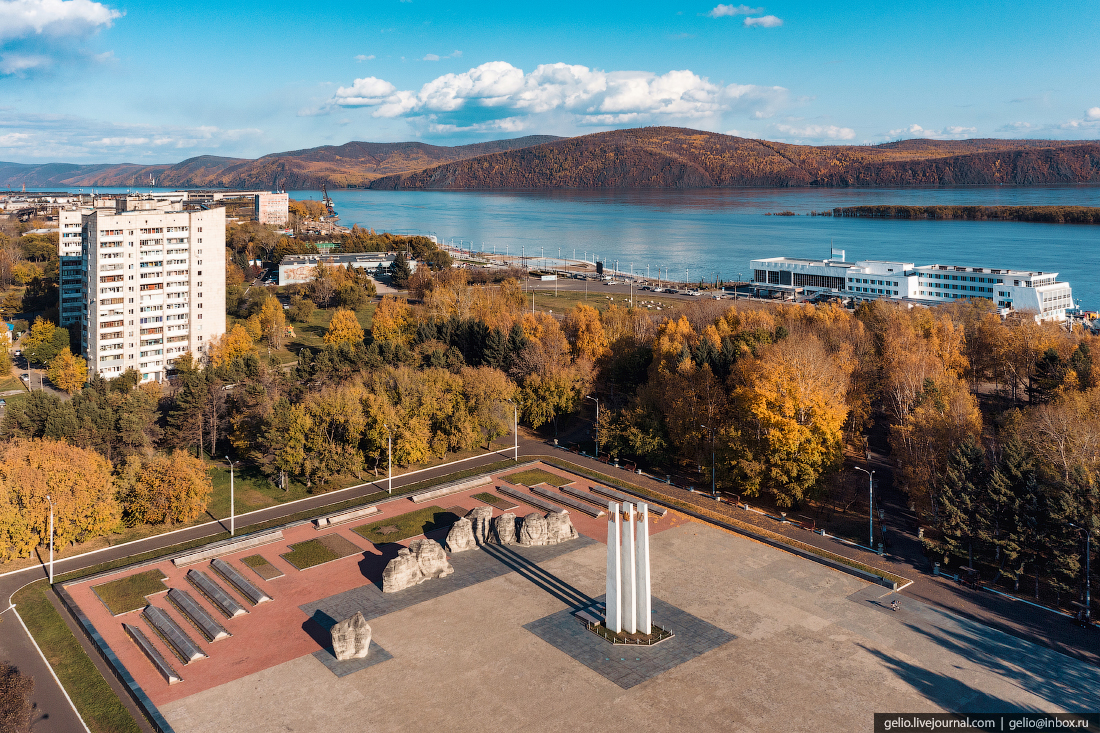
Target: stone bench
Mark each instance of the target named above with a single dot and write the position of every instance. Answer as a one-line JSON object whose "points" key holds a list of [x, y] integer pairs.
{"points": [[171, 632], [451, 488], [530, 500], [605, 492], [226, 603], [238, 581], [159, 662], [197, 615], [344, 517], [227, 547], [559, 498]]}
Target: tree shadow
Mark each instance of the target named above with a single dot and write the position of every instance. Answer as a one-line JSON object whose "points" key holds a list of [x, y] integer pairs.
{"points": [[1043, 672], [947, 692]]}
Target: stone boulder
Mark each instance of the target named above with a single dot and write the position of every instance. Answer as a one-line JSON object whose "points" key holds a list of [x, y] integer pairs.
{"points": [[401, 572], [559, 528], [351, 638], [431, 558], [481, 523], [461, 536], [532, 532], [504, 529]]}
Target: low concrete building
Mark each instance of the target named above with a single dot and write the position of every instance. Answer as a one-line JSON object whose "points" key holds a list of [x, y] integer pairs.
{"points": [[296, 269]]}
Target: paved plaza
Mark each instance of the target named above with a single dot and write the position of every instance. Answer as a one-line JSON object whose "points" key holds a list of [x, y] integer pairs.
{"points": [[764, 641], [809, 649]]}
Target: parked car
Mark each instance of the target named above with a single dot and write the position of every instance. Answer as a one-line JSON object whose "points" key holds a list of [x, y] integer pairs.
{"points": [[25, 377]]}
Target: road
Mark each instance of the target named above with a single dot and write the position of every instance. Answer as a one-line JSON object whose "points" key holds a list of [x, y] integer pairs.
{"points": [[905, 558]]}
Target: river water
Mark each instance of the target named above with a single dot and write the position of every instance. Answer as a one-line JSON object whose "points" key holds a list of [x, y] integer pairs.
{"points": [[703, 233]]}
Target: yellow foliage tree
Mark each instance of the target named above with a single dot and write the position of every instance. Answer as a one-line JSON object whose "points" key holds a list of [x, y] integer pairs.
{"points": [[583, 328], [344, 328], [273, 322], [78, 482], [236, 343], [391, 320], [162, 488], [68, 372]]}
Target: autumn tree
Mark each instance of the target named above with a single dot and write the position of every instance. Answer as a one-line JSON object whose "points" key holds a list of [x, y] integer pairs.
{"points": [[231, 345], [163, 488], [16, 708], [392, 320], [343, 328], [78, 482], [68, 372], [45, 341]]}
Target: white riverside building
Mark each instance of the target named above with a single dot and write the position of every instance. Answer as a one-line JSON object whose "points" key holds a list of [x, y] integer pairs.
{"points": [[1009, 289], [144, 285]]}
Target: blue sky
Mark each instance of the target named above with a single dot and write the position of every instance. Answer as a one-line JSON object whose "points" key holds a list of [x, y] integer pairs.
{"points": [[85, 81]]}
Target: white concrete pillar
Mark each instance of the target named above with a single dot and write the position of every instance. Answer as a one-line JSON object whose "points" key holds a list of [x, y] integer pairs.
{"points": [[629, 590], [613, 618], [641, 571]]}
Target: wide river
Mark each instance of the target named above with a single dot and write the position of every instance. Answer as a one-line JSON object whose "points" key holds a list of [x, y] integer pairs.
{"points": [[707, 232], [701, 233]]}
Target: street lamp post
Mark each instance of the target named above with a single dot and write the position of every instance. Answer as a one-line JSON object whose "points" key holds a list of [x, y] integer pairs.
{"points": [[389, 460], [51, 537], [871, 486], [1088, 552], [232, 504], [597, 401]]}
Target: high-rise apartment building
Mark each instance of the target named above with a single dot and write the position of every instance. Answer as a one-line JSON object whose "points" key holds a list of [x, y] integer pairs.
{"points": [[71, 296], [154, 285]]}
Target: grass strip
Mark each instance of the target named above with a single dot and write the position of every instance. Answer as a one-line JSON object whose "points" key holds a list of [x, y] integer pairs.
{"points": [[533, 476], [128, 594], [715, 516], [94, 699], [260, 565], [280, 522], [404, 526], [497, 501], [318, 551]]}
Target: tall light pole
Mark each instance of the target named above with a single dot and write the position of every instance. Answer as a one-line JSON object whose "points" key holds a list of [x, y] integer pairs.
{"points": [[713, 483], [597, 401], [51, 537], [389, 460], [871, 486], [1088, 551], [232, 504], [515, 430]]}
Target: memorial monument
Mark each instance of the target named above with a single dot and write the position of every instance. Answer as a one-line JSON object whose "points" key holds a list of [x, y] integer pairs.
{"points": [[351, 638], [628, 606]]}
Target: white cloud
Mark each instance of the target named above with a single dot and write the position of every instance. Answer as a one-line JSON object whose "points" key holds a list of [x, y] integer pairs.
{"points": [[1092, 113], [362, 57], [497, 90], [437, 57], [722, 11], [430, 57], [818, 132], [52, 17], [17, 63], [72, 139], [767, 21], [947, 133]]}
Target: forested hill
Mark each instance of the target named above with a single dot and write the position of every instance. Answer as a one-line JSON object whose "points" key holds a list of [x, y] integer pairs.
{"points": [[352, 164], [668, 157]]}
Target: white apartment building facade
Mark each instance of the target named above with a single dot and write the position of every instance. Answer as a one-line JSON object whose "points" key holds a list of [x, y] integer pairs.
{"points": [[154, 285], [69, 244], [1010, 290]]}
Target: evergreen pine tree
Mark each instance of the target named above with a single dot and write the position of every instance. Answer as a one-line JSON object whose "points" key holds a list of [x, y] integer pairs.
{"points": [[400, 271], [959, 499]]}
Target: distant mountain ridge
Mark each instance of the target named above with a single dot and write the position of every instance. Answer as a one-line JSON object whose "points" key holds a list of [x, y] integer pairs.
{"points": [[353, 164], [651, 157], [666, 157]]}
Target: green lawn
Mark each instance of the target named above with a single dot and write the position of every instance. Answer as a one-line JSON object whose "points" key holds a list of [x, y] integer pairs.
{"points": [[262, 567], [321, 550], [534, 476], [128, 594], [600, 299], [493, 500], [405, 526], [102, 711]]}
